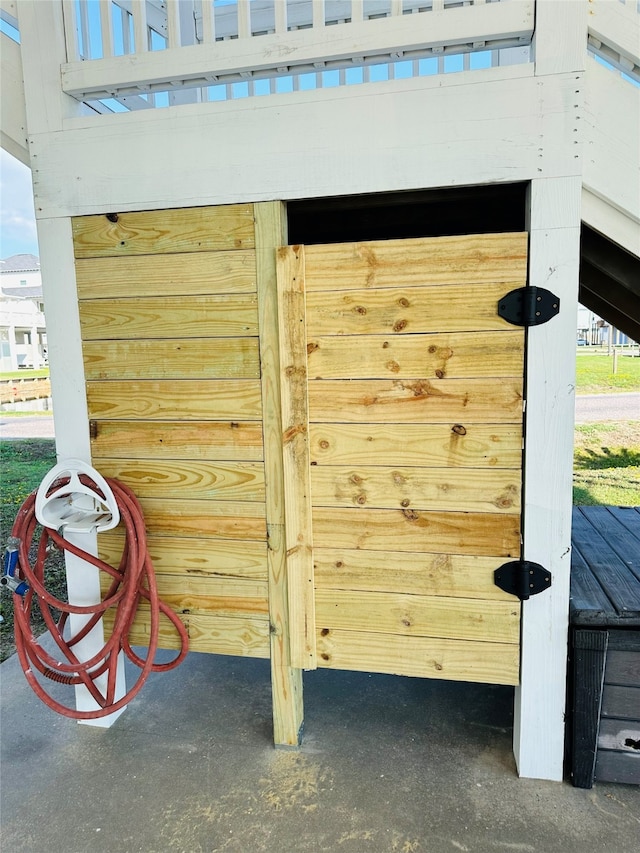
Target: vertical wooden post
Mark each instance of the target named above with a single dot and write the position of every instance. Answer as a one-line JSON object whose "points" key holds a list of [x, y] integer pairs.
{"points": [[554, 260], [286, 681], [43, 50], [72, 430], [554, 257]]}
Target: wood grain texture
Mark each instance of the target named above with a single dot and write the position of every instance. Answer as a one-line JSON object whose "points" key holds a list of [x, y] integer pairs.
{"points": [[219, 596], [445, 445], [416, 401], [213, 440], [223, 635], [423, 657], [197, 358], [205, 518], [286, 680], [188, 399], [189, 274], [418, 615], [380, 487], [198, 557], [169, 317], [156, 232], [295, 440], [453, 356], [476, 534], [414, 263], [457, 575], [407, 311], [189, 479]]}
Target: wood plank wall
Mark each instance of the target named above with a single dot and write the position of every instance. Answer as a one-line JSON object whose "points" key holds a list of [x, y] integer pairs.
{"points": [[169, 317]]}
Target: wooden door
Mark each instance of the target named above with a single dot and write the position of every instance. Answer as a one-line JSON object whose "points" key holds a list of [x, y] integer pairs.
{"points": [[402, 394]]}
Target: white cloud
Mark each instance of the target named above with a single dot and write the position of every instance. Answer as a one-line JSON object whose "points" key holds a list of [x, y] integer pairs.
{"points": [[17, 217]]}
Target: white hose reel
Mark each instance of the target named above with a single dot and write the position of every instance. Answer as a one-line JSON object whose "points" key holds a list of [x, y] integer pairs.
{"points": [[74, 506]]}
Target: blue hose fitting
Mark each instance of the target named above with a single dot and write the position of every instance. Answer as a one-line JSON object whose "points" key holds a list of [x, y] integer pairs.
{"points": [[8, 578]]}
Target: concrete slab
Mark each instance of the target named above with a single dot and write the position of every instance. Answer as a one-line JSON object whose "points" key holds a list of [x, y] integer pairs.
{"points": [[388, 764]]}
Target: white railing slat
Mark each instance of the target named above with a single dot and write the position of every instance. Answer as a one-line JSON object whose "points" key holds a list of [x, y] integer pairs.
{"points": [[106, 28], [140, 29], [318, 13], [357, 10], [280, 16], [244, 19], [71, 30], [208, 22], [173, 23]]}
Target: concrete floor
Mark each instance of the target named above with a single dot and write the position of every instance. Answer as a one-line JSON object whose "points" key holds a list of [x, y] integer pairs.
{"points": [[388, 764]]}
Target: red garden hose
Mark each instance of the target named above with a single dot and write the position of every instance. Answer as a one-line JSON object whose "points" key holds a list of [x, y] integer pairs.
{"points": [[133, 581]]}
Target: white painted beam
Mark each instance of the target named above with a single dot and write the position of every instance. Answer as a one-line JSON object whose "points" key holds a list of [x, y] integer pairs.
{"points": [[554, 259], [13, 114], [466, 128], [612, 139], [404, 33], [608, 220]]}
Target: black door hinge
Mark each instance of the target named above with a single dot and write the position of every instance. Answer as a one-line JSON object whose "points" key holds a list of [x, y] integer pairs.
{"points": [[522, 578], [528, 306]]}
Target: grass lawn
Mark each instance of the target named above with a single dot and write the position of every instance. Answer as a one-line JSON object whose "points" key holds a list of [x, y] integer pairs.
{"points": [[25, 374], [594, 373], [24, 464], [607, 464]]}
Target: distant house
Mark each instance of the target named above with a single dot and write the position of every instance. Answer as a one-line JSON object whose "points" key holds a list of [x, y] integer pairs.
{"points": [[23, 335]]}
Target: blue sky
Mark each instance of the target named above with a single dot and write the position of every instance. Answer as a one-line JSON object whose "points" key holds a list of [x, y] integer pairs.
{"points": [[17, 217]]}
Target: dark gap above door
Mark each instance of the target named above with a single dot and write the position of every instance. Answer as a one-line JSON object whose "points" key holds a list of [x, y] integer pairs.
{"points": [[425, 213]]}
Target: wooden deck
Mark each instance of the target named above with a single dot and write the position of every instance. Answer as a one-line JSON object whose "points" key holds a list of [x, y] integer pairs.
{"points": [[605, 645]]}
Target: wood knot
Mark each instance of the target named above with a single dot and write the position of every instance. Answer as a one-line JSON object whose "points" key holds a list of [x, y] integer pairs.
{"points": [[405, 503], [112, 217], [433, 349], [312, 347], [324, 632], [324, 444], [360, 309], [385, 345], [356, 479], [404, 302], [361, 499], [440, 374], [399, 325], [393, 366], [339, 564], [325, 656], [458, 429], [406, 622], [410, 514]]}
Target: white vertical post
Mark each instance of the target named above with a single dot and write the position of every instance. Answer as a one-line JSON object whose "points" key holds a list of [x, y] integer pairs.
{"points": [[280, 16], [106, 27], [357, 10], [44, 49], [554, 259], [140, 29], [70, 30], [173, 24], [318, 13], [72, 429], [244, 19], [208, 22]]}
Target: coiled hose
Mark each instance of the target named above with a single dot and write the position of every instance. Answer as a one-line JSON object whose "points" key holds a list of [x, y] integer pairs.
{"points": [[132, 582]]}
